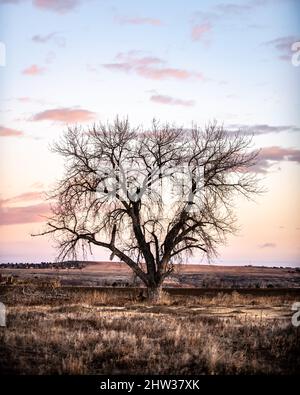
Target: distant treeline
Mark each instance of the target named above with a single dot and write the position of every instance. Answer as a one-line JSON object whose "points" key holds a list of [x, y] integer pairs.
{"points": [[43, 265]]}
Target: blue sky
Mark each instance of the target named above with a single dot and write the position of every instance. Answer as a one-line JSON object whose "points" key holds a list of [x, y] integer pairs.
{"points": [[73, 61]]}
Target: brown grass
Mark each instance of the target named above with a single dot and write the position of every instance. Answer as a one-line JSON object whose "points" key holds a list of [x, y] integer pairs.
{"points": [[60, 332]]}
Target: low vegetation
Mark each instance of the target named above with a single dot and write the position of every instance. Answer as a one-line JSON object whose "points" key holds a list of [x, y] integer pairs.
{"points": [[57, 331]]}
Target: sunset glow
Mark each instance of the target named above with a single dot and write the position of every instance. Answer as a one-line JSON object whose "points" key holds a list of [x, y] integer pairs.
{"points": [[78, 62]]}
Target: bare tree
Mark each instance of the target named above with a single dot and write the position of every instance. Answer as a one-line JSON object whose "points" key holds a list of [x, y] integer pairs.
{"points": [[150, 197]]}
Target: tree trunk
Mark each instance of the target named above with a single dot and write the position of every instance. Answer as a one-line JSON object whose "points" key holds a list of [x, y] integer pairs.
{"points": [[154, 293]]}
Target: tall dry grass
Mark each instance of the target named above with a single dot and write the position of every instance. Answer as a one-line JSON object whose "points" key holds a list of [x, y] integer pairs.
{"points": [[96, 333]]}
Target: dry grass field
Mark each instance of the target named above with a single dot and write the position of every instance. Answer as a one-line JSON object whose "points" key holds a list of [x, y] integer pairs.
{"points": [[185, 276], [92, 331]]}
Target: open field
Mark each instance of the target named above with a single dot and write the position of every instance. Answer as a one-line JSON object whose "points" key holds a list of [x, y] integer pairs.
{"points": [[185, 276], [69, 330]]}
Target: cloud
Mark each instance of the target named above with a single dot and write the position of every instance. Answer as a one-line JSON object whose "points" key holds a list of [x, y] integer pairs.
{"points": [[65, 115], [149, 67], [40, 39], [58, 6], [24, 99], [50, 57], [7, 132], [27, 99], [33, 70], [234, 9], [22, 215], [226, 11], [37, 184], [11, 214], [260, 129], [283, 46], [267, 245], [199, 30], [280, 153], [10, 1], [162, 99], [204, 21], [23, 197], [269, 155], [221, 12], [139, 21]]}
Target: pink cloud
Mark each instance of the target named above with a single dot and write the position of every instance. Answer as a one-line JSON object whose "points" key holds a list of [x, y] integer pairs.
{"points": [[269, 155], [65, 115], [149, 67], [33, 70], [164, 73], [199, 31], [279, 153], [23, 197], [59, 6], [24, 99], [7, 132], [27, 99], [171, 100], [141, 21], [22, 215]]}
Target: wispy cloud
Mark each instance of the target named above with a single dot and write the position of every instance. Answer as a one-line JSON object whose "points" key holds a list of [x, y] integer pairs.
{"points": [[11, 1], [37, 184], [10, 214], [163, 99], [234, 9], [58, 6], [139, 21], [23, 197], [267, 245], [260, 129], [31, 100], [283, 45], [219, 13], [280, 153], [22, 215], [149, 67], [199, 30], [8, 132], [69, 115], [223, 12], [24, 99], [51, 37], [269, 155], [203, 22], [33, 70]]}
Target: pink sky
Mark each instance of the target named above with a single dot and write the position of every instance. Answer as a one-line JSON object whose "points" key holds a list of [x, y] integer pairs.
{"points": [[76, 62]]}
